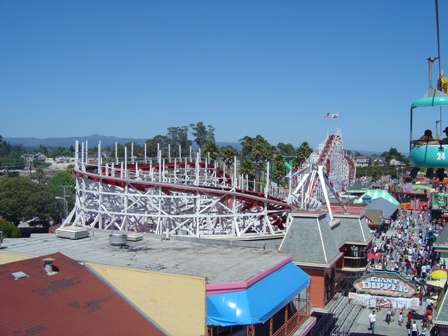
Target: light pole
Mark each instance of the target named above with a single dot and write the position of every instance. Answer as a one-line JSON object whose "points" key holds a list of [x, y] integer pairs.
{"points": [[64, 198], [65, 205]]}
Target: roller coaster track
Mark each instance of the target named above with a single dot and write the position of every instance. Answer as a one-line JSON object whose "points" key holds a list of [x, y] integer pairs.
{"points": [[180, 198], [198, 198], [338, 170]]}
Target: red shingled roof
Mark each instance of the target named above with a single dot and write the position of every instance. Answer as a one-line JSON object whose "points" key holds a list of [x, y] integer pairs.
{"points": [[72, 302]]}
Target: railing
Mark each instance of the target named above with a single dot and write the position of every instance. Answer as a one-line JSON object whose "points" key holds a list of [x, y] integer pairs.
{"points": [[345, 320], [355, 262], [295, 321]]}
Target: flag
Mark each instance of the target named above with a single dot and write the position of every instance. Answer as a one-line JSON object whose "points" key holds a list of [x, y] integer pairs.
{"points": [[327, 115], [334, 115]]}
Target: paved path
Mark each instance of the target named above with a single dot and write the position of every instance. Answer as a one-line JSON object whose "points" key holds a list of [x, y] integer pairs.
{"points": [[361, 325]]}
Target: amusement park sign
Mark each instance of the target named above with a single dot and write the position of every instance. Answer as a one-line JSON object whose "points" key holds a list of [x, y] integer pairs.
{"points": [[382, 282]]}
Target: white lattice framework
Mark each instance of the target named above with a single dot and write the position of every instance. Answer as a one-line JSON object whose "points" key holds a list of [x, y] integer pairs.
{"points": [[326, 171], [172, 198], [332, 151]]}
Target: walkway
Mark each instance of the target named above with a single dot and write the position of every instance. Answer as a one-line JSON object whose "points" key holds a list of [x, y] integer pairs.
{"points": [[361, 324]]}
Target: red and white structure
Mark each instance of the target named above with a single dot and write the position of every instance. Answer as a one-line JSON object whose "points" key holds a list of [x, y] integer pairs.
{"points": [[328, 170], [186, 196], [172, 197]]}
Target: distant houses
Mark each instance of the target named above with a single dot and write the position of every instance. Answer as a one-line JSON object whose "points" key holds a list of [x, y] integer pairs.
{"points": [[362, 161], [34, 157]]}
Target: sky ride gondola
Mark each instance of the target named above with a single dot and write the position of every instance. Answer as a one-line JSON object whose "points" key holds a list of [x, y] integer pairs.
{"points": [[430, 154]]}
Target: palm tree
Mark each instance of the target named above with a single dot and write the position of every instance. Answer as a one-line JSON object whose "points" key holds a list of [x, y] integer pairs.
{"points": [[212, 149], [302, 153], [228, 155]]}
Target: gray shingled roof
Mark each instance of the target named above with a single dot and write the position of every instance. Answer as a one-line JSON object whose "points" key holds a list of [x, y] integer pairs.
{"points": [[442, 238], [376, 216], [218, 264], [442, 314], [309, 240], [380, 203], [351, 228]]}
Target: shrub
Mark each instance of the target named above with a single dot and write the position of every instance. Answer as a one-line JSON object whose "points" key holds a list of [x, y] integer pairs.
{"points": [[9, 229]]}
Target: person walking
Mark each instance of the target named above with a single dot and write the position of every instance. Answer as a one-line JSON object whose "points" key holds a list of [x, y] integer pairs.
{"points": [[400, 319], [388, 315], [414, 330], [409, 327], [372, 319]]}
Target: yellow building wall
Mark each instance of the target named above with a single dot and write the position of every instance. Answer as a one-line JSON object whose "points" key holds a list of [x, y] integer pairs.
{"points": [[7, 257], [177, 303]]}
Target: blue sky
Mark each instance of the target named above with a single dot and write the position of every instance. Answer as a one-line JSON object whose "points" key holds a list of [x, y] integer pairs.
{"points": [[274, 68]]}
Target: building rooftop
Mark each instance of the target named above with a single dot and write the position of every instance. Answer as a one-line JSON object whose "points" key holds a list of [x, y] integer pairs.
{"points": [[217, 261], [350, 229], [310, 240], [388, 208], [67, 299]]}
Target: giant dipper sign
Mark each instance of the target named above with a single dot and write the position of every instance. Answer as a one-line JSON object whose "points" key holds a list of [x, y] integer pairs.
{"points": [[383, 282]]}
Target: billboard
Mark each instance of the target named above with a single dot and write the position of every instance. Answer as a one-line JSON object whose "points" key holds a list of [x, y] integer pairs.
{"points": [[385, 283]]}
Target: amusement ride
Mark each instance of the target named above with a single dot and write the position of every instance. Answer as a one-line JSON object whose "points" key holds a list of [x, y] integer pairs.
{"points": [[197, 196]]}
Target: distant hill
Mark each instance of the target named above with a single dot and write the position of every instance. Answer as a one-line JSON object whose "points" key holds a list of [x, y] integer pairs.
{"points": [[93, 140], [70, 141], [109, 141]]}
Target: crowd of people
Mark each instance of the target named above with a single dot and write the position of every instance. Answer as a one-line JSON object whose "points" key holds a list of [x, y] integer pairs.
{"points": [[408, 249]]}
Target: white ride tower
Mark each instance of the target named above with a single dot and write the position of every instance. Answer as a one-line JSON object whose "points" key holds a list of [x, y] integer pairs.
{"points": [[328, 170]]}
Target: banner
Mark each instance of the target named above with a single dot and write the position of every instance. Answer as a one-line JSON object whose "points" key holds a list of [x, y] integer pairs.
{"points": [[372, 301]]}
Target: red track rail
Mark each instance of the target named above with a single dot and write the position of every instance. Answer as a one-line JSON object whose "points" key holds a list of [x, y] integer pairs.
{"points": [[249, 199]]}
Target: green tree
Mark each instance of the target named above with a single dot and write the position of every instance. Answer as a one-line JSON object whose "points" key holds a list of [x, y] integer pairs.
{"points": [[178, 136], [60, 181], [43, 150], [393, 153], [63, 188], [278, 169], [262, 152], [39, 175], [302, 153], [20, 198], [9, 229], [212, 149], [11, 156], [247, 168], [69, 169], [202, 134], [286, 149], [55, 152], [247, 144], [258, 150], [159, 141], [228, 155]]}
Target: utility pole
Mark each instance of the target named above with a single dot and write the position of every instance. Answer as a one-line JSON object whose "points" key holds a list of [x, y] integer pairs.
{"points": [[64, 198]]}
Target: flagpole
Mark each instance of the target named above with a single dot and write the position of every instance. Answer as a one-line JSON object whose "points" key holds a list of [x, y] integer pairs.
{"points": [[327, 115]]}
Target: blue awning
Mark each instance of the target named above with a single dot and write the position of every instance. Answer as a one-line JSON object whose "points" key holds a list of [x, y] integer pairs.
{"points": [[260, 301]]}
